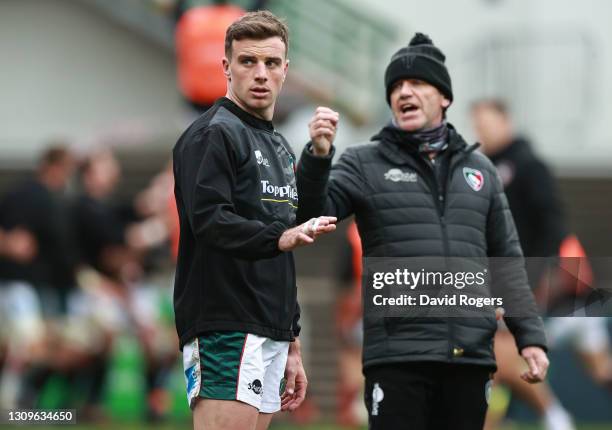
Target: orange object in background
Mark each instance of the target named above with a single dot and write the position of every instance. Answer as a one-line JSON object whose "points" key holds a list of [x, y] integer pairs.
{"points": [[348, 308], [576, 271], [350, 411], [200, 45]]}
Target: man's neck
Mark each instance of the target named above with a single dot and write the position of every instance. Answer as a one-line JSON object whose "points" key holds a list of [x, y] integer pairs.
{"points": [[266, 114]]}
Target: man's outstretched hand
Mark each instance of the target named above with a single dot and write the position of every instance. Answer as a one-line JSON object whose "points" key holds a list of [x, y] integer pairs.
{"points": [[306, 233]]}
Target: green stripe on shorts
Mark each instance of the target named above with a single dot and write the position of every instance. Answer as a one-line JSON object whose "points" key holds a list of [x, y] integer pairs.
{"points": [[220, 355]]}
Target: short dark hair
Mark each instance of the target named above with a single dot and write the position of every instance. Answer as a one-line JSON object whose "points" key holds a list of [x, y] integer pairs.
{"points": [[256, 25], [55, 154], [495, 104]]}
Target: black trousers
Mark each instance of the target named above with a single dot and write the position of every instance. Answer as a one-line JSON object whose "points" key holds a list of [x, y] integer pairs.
{"points": [[427, 396]]}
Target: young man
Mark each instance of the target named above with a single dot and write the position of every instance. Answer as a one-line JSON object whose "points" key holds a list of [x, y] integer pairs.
{"points": [[235, 293], [419, 190]]}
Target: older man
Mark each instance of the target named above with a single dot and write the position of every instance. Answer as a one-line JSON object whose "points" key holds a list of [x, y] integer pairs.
{"points": [[419, 190]]}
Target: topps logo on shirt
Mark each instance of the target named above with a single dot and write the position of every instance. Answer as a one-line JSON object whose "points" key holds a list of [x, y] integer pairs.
{"points": [[260, 159], [396, 175], [286, 191]]}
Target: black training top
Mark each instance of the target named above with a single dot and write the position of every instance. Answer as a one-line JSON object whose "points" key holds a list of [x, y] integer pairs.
{"points": [[236, 194], [32, 206]]}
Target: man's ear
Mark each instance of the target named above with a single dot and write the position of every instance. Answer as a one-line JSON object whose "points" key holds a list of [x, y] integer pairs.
{"points": [[226, 68], [286, 70], [445, 103]]}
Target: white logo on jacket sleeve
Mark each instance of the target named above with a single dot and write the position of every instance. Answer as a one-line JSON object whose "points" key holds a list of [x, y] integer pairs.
{"points": [[377, 396], [396, 175], [488, 391], [260, 158], [474, 178]]}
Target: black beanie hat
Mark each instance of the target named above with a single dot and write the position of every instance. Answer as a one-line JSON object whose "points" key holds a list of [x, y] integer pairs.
{"points": [[421, 59]]}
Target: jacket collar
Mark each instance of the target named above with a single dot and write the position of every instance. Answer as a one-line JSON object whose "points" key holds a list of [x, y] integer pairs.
{"points": [[517, 149], [399, 147], [250, 119]]}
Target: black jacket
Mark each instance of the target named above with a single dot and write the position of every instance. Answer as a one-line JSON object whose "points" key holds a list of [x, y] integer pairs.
{"points": [[417, 217], [235, 192], [533, 199], [98, 228], [32, 206]]}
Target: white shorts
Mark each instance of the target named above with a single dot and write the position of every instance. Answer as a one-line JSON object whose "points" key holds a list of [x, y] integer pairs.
{"points": [[586, 334], [21, 318], [236, 366]]}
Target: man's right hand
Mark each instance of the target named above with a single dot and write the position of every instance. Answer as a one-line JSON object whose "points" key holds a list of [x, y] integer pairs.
{"points": [[19, 245], [538, 363], [306, 233], [322, 128]]}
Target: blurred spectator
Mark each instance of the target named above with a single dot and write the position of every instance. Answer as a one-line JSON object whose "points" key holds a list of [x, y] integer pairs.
{"points": [[17, 245], [532, 211], [529, 186], [536, 208], [155, 210], [114, 239], [157, 228], [115, 248], [99, 228], [38, 206], [34, 216]]}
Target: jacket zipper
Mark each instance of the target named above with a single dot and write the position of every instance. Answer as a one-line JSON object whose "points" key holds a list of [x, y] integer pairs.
{"points": [[439, 198], [451, 168], [440, 201]]}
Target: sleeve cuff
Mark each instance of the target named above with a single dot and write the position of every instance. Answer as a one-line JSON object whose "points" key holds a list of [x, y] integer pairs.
{"points": [[543, 347], [316, 165], [276, 230], [538, 340]]}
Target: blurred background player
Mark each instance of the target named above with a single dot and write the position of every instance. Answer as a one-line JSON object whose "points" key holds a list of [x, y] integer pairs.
{"points": [[16, 245], [114, 242], [537, 210], [35, 288], [70, 331]]}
